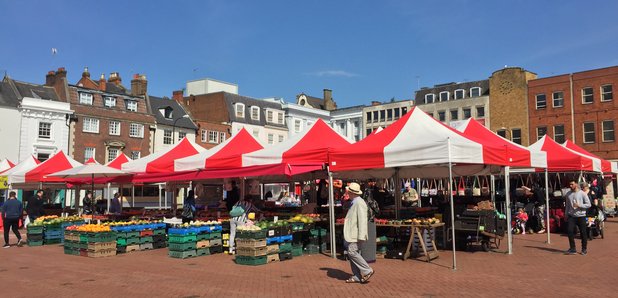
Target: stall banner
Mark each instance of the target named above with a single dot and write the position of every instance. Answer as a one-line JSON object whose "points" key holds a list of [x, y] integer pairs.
{"points": [[4, 182]]}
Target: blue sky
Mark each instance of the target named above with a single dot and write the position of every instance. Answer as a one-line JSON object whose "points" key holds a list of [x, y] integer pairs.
{"points": [[362, 50]]}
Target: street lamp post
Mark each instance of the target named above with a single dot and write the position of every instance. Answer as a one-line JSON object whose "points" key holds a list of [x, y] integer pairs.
{"points": [[174, 127]]}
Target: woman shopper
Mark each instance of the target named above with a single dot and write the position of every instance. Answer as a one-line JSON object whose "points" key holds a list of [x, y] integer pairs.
{"points": [[11, 213], [238, 217], [188, 210]]}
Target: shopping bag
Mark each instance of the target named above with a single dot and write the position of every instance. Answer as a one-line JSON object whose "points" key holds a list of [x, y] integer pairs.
{"points": [[433, 190], [476, 189], [485, 187], [424, 189], [26, 221], [461, 188]]}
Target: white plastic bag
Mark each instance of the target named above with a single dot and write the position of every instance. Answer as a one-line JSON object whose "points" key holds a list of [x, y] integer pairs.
{"points": [[26, 221]]}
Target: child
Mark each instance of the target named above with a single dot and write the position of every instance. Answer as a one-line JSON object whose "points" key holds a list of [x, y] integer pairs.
{"points": [[522, 216]]}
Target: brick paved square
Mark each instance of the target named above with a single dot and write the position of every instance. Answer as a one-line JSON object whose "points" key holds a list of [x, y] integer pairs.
{"points": [[535, 269]]}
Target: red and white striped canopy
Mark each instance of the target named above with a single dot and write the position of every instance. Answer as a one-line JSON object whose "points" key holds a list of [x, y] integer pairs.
{"points": [[118, 161], [25, 165], [5, 164], [606, 165], [58, 162], [223, 156], [306, 148], [415, 140], [498, 150], [562, 159], [163, 162]]}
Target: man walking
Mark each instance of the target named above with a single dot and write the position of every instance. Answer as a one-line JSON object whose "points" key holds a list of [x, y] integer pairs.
{"points": [[11, 213], [576, 203], [355, 233], [35, 206]]}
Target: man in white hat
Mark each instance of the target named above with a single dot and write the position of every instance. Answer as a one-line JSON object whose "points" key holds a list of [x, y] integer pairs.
{"points": [[355, 233]]}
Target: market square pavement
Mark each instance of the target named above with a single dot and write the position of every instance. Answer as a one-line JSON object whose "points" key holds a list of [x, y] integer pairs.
{"points": [[534, 269]]}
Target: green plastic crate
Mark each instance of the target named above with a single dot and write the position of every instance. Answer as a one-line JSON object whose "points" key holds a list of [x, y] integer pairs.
{"points": [[158, 232], [205, 236], [297, 251], [285, 247], [35, 243], [146, 239], [203, 251], [253, 261], [181, 246], [120, 235], [182, 254], [97, 237], [132, 234], [182, 238], [214, 235], [71, 251], [35, 229], [260, 234], [121, 242], [319, 232], [132, 240], [52, 241]]}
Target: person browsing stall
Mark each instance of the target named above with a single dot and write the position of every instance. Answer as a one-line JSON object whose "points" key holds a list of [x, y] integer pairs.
{"points": [[238, 217], [576, 203], [355, 234]]}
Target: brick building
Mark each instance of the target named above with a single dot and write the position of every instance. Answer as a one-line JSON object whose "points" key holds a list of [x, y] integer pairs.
{"points": [[579, 107], [109, 118]]}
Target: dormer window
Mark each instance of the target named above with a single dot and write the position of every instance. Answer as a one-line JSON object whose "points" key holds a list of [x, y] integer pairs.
{"points": [[167, 112], [430, 98], [269, 116], [475, 91], [85, 98], [280, 118], [240, 110], [132, 105], [110, 101], [460, 94], [444, 96], [255, 113]]}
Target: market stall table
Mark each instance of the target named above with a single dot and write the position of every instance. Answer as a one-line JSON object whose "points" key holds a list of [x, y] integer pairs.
{"points": [[418, 230]]}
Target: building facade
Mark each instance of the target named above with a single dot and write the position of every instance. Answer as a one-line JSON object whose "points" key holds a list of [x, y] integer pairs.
{"points": [[454, 102], [10, 122], [383, 114], [509, 103], [108, 118], [298, 118], [172, 123], [348, 122], [579, 107]]}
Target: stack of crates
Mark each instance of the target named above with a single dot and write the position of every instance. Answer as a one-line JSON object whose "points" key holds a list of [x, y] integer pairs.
{"points": [[35, 235], [182, 242], [251, 248], [209, 240], [285, 242], [53, 234], [72, 243], [145, 239], [96, 245], [159, 238], [316, 242]]}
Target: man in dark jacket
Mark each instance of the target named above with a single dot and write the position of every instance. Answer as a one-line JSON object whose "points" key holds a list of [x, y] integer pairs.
{"points": [[11, 213], [232, 196], [35, 206]]}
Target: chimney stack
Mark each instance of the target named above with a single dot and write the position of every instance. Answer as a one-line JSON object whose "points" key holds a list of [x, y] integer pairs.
{"points": [[50, 78], [86, 74], [178, 96], [329, 103], [61, 73], [139, 85], [114, 78], [102, 82]]}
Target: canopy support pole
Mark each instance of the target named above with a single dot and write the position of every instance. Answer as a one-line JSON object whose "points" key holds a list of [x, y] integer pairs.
{"points": [[507, 194], [450, 191], [160, 198], [493, 189], [109, 194], [547, 206], [132, 195], [331, 214], [397, 194]]}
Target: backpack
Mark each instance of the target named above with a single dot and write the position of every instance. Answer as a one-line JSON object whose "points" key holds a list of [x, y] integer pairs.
{"points": [[373, 208], [237, 211], [187, 211]]}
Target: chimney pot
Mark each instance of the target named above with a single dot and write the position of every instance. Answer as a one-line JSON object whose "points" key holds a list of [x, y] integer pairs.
{"points": [[139, 85]]}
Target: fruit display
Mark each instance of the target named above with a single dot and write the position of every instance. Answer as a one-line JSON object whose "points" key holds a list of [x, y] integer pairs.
{"points": [[195, 238], [92, 228], [413, 221], [305, 218]]}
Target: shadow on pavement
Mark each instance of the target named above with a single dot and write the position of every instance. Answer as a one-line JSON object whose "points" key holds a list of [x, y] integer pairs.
{"points": [[547, 249], [336, 273]]}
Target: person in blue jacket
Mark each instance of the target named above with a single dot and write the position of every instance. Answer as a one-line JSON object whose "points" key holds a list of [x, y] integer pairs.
{"points": [[11, 213]]}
